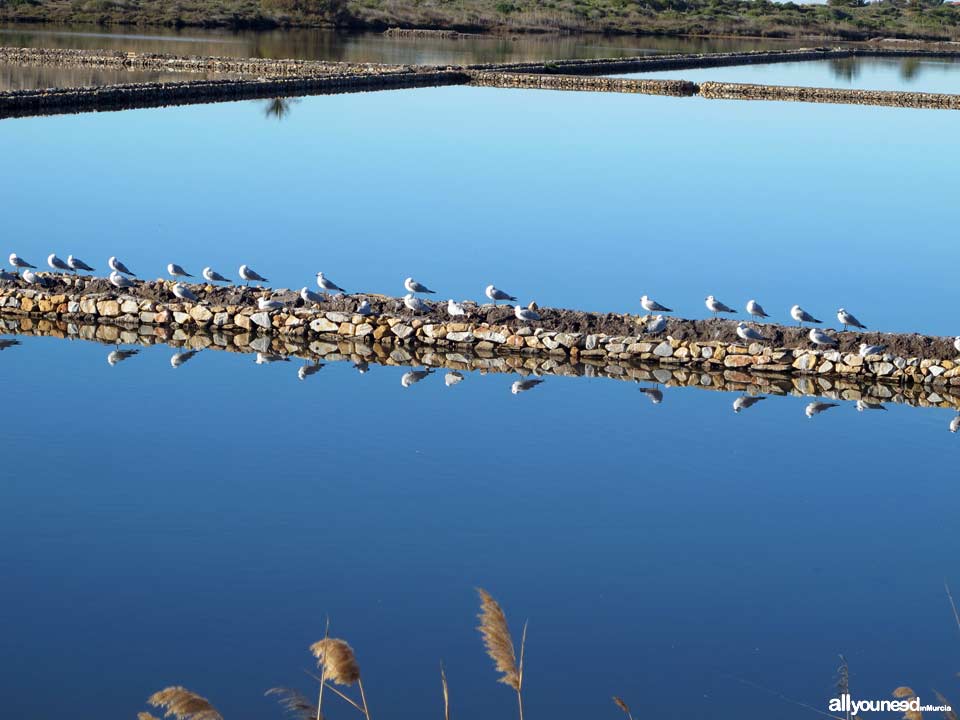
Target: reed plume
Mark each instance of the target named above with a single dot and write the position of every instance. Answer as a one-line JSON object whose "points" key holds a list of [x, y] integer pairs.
{"points": [[296, 705], [499, 644], [947, 714], [182, 704], [446, 693], [618, 701], [145, 716], [338, 664]]}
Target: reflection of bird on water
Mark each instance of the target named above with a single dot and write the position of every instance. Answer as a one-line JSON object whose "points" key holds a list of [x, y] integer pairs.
{"points": [[118, 356], [180, 358], [655, 394], [414, 376], [523, 385], [746, 401], [4, 344], [815, 408], [452, 378], [869, 405], [955, 424], [267, 358], [362, 367], [307, 370]]}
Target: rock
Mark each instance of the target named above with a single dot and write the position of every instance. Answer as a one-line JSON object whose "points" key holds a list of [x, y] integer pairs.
{"points": [[402, 331], [242, 321], [130, 307], [73, 307], [148, 318], [881, 369], [807, 361], [221, 319], [460, 336], [363, 330], [664, 349], [490, 335], [108, 308], [262, 319], [200, 314], [338, 317], [737, 361], [181, 317], [936, 370], [323, 325]]}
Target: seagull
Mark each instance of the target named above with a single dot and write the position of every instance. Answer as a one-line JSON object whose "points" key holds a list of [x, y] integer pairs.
{"points": [[756, 309], [184, 293], [815, 408], [955, 424], [119, 281], [119, 267], [8, 276], [956, 343], [76, 263], [523, 385], [211, 275], [652, 306], [497, 294], [455, 309], [657, 325], [267, 358], [655, 394], [328, 285], [118, 356], [846, 319], [867, 405], [452, 378], [414, 376], [526, 314], [412, 286], [801, 315], [250, 275], [364, 308], [415, 304], [180, 358], [4, 344], [31, 278], [175, 270], [715, 306], [871, 349], [18, 262], [819, 337], [269, 305], [745, 332], [56, 263], [306, 371], [745, 401], [309, 297]]}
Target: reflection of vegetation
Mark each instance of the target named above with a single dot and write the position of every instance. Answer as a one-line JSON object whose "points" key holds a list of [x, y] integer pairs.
{"points": [[909, 68], [845, 68], [853, 19], [278, 108]]}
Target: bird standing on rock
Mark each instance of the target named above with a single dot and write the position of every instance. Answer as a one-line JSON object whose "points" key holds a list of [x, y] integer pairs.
{"points": [[802, 316], [56, 263], [267, 304], [455, 309], [412, 286], [212, 276], [184, 293], [119, 281], [657, 325], [119, 267], [652, 306], [328, 285], [819, 337], [846, 319], [715, 306], [956, 343], [756, 309], [76, 264], [364, 308], [8, 276], [19, 263], [174, 270], [31, 278], [250, 275], [309, 297], [745, 332], [497, 294], [414, 303], [526, 314], [866, 349]]}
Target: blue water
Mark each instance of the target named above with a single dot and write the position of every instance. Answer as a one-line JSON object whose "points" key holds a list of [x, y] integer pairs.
{"points": [[195, 526]]}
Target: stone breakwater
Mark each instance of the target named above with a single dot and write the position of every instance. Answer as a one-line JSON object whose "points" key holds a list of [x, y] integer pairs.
{"points": [[576, 336], [363, 352], [676, 88]]}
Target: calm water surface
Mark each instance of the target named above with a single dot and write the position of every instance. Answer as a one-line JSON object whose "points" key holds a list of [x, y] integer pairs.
{"points": [[23, 77], [195, 526]]}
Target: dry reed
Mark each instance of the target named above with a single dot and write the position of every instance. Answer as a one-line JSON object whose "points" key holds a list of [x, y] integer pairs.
{"points": [[499, 644], [182, 704], [338, 664], [618, 701], [296, 705], [145, 716], [446, 693]]}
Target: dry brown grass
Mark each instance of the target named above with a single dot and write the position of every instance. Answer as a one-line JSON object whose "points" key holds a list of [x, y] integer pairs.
{"points": [[296, 705], [446, 693], [499, 644], [618, 701], [182, 704], [337, 659]]}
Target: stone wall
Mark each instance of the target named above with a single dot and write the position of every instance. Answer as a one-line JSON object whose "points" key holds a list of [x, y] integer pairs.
{"points": [[695, 345], [675, 88]]}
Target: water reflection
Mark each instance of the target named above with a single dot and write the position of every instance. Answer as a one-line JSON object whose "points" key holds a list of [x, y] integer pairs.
{"points": [[815, 408], [14, 76], [118, 356], [279, 108]]}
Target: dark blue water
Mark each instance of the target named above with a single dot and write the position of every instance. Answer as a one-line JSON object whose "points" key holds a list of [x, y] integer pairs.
{"points": [[195, 526]]}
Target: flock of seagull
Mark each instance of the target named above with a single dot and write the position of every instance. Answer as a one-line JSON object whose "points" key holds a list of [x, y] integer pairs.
{"points": [[122, 277]]}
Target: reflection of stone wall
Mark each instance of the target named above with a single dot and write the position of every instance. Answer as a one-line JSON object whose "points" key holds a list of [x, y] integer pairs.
{"points": [[581, 83], [846, 96], [333, 348], [234, 311]]}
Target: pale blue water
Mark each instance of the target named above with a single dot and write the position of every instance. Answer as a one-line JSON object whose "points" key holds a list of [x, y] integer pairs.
{"points": [[195, 526]]}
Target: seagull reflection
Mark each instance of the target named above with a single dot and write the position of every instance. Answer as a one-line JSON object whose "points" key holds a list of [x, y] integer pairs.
{"points": [[815, 408], [745, 401], [4, 344], [180, 358], [655, 394], [523, 385], [310, 369], [869, 405], [955, 424], [452, 378], [267, 358], [362, 367], [414, 376], [118, 356]]}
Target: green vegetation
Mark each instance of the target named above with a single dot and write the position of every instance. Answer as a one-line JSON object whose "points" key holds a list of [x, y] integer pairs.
{"points": [[850, 19]]}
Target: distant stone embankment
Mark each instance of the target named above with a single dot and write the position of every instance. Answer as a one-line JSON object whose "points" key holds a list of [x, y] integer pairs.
{"points": [[709, 345]]}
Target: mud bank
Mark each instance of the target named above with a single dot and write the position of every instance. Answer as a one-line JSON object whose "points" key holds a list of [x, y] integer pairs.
{"points": [[561, 333]]}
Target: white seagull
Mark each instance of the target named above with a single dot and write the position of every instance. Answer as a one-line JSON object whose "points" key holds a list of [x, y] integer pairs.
{"points": [[455, 309], [801, 315], [415, 304], [819, 337], [31, 278], [497, 294], [364, 308], [453, 377], [815, 408], [652, 306], [745, 332], [174, 270], [250, 275], [8, 276], [846, 319], [184, 293], [309, 297], [269, 305], [19, 263], [119, 267], [328, 285], [56, 263], [412, 286], [871, 349], [756, 309], [715, 306], [76, 264], [119, 281], [211, 275], [956, 343], [657, 325], [868, 405], [526, 314]]}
